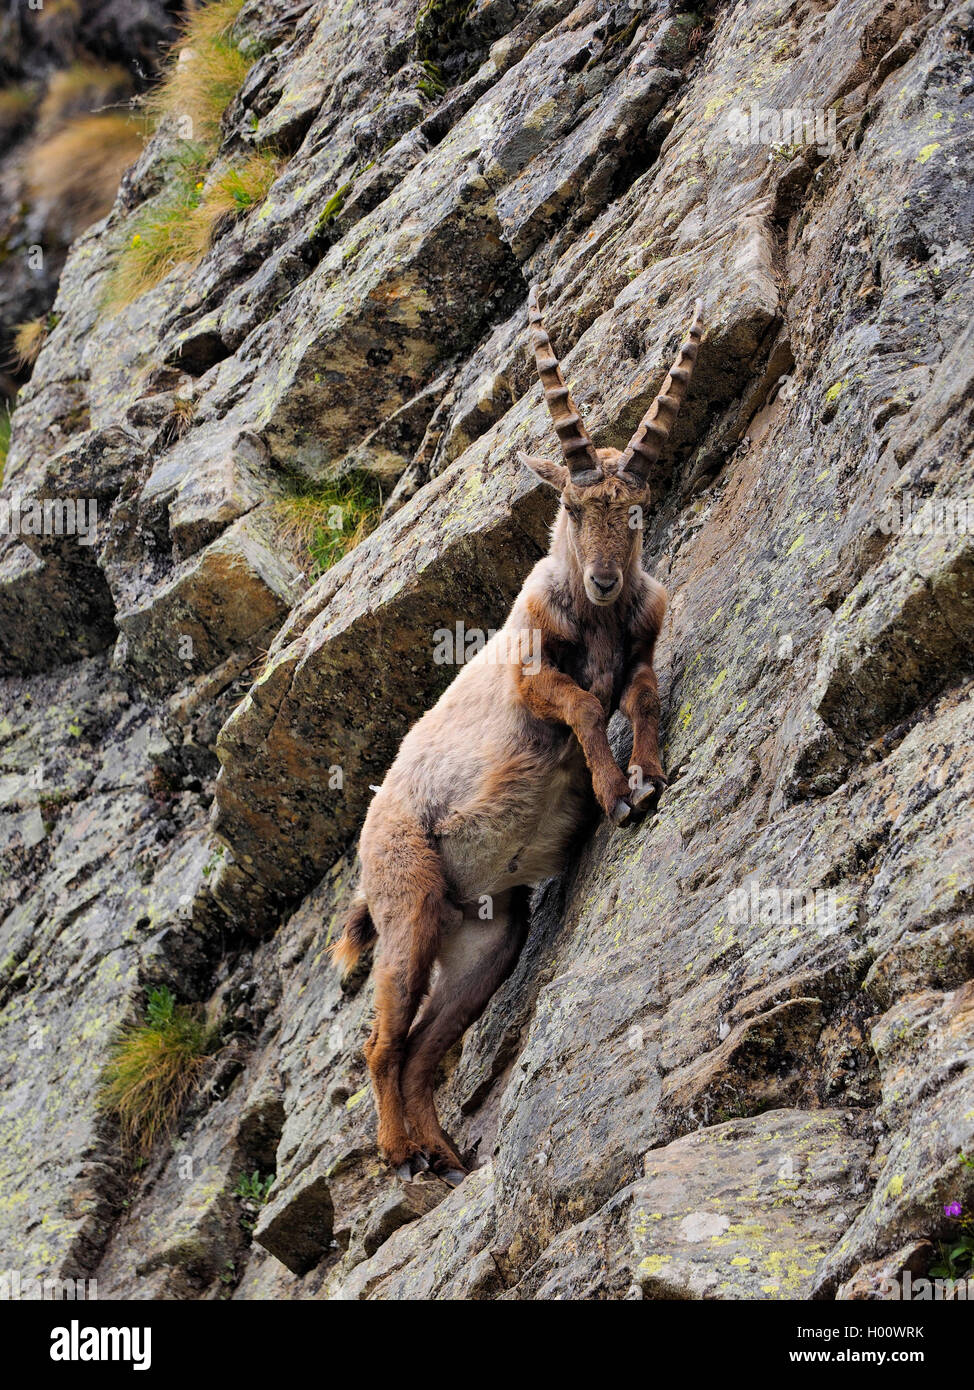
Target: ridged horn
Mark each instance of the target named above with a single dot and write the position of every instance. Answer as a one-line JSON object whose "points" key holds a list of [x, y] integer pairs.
{"points": [[647, 443], [583, 461]]}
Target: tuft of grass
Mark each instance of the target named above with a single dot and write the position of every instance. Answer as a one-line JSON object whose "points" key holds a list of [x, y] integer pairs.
{"points": [[179, 419], [154, 1068], [208, 72], [324, 521], [238, 189], [163, 234], [78, 168], [29, 338], [181, 224]]}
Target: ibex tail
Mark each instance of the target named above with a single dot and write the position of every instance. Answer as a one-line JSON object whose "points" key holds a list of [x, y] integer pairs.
{"points": [[358, 933]]}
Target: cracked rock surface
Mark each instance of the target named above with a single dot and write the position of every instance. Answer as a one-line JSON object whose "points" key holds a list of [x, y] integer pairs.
{"points": [[734, 1059]]}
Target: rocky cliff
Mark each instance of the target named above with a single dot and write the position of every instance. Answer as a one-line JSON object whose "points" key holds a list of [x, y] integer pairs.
{"points": [[736, 1058]]}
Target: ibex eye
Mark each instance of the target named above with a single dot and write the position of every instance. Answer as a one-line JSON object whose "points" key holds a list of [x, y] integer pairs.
{"points": [[575, 513]]}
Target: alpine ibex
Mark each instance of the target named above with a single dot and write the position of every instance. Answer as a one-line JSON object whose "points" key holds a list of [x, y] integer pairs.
{"points": [[490, 786]]}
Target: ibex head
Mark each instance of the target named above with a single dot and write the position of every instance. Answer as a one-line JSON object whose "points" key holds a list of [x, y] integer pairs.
{"points": [[600, 488]]}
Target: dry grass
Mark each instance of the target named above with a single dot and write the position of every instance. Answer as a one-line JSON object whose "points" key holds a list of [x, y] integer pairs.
{"points": [[180, 225], [29, 338], [78, 169], [78, 90], [242, 186], [164, 235], [322, 522], [154, 1069], [207, 73]]}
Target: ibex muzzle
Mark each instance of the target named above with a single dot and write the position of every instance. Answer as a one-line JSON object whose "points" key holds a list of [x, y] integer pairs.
{"points": [[490, 788]]}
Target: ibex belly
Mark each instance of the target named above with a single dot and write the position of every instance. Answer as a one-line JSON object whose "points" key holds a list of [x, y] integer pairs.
{"points": [[519, 839]]}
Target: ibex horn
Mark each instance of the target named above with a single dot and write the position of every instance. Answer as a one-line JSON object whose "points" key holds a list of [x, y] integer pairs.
{"points": [[647, 443], [583, 461]]}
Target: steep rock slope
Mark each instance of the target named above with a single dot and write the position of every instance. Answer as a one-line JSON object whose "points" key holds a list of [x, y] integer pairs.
{"points": [[690, 1086]]}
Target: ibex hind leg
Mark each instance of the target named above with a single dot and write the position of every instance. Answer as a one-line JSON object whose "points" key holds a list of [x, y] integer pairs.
{"points": [[475, 958], [407, 899]]}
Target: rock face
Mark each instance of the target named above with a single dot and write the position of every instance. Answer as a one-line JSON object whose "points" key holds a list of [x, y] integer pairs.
{"points": [[735, 1058]]}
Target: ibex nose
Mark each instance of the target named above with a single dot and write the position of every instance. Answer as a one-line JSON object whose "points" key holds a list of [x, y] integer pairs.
{"points": [[604, 586]]}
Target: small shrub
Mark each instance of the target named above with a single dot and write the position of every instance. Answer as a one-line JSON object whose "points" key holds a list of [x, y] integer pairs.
{"points": [[154, 1068], [327, 520]]}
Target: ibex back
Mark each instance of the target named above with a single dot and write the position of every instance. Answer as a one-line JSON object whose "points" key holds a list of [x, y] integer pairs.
{"points": [[492, 784]]}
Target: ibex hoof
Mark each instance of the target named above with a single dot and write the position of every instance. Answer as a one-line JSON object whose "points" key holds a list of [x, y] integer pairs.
{"points": [[416, 1163], [644, 798], [453, 1177], [621, 812]]}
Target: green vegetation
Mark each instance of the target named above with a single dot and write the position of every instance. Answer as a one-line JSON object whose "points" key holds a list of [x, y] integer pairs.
{"points": [[957, 1252], [180, 224], [433, 85], [4, 437], [207, 72], [324, 521], [438, 27], [154, 1068], [252, 1192], [253, 1187], [332, 208]]}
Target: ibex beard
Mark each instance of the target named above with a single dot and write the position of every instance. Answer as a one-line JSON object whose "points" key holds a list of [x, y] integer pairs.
{"points": [[492, 785]]}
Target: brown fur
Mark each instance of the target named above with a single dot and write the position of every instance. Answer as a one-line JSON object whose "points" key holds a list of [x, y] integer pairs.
{"points": [[490, 787]]}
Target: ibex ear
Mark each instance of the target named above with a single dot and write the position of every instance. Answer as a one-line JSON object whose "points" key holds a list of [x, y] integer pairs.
{"points": [[555, 474]]}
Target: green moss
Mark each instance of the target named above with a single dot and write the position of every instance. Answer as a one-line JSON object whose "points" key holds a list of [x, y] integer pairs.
{"points": [[4, 437], [332, 208]]}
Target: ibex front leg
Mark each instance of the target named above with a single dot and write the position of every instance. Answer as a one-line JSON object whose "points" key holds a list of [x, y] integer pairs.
{"points": [[640, 705], [548, 693]]}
